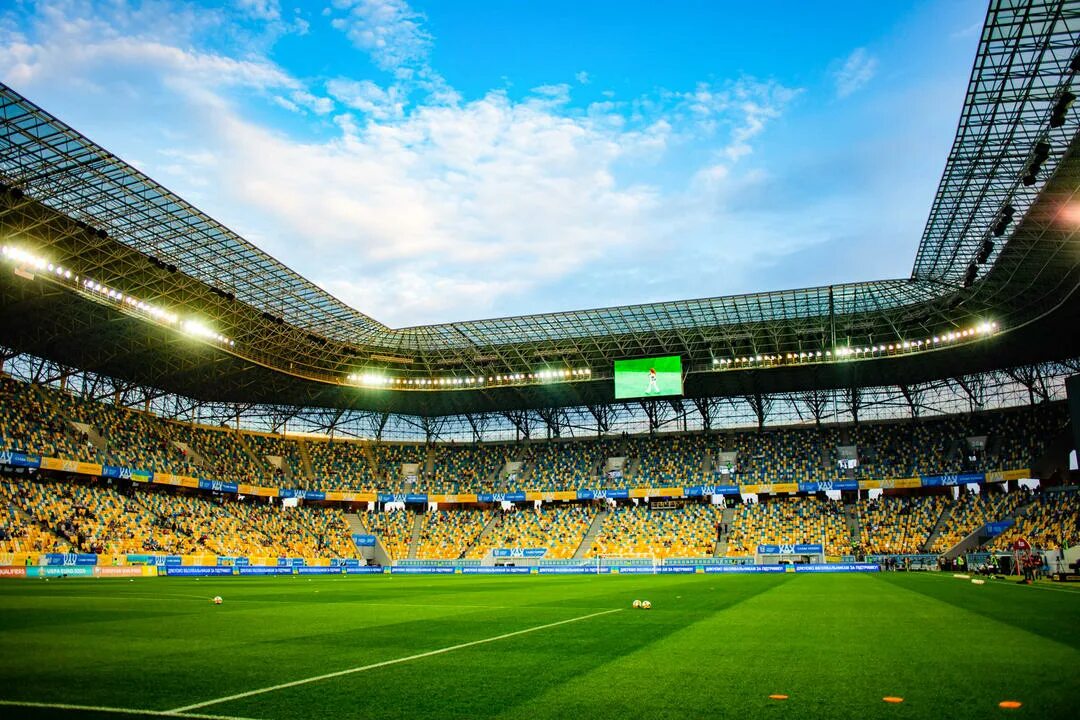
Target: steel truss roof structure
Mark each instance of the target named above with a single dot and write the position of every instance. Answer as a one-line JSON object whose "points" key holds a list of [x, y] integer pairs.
{"points": [[994, 247], [1012, 387]]}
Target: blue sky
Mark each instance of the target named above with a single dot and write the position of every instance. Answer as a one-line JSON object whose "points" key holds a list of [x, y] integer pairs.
{"points": [[451, 160]]}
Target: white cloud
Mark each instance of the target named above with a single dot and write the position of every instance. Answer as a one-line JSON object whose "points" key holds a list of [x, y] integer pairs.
{"points": [[446, 208], [318, 105], [857, 70], [389, 30], [261, 9], [369, 98], [582, 77]]}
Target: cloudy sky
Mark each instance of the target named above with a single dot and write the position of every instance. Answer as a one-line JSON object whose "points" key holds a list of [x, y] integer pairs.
{"points": [[446, 160]]}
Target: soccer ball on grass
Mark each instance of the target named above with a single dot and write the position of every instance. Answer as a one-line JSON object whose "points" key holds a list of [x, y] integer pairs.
{"points": [[217, 600]]}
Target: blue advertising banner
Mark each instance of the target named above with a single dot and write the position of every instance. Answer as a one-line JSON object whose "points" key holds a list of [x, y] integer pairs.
{"points": [[826, 485], [574, 570], [19, 459], [519, 552], [799, 549], [837, 568], [218, 486], [738, 569], [403, 497], [264, 570], [495, 571], [319, 570], [367, 570], [361, 540], [302, 494], [349, 562], [703, 490], [996, 528], [615, 494], [70, 559], [192, 570], [515, 496], [423, 570], [952, 479]]}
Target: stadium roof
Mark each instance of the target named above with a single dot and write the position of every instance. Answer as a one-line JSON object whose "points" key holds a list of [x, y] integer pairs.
{"points": [[283, 338]]}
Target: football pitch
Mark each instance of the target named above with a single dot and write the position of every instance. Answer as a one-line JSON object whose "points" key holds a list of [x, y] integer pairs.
{"points": [[539, 647]]}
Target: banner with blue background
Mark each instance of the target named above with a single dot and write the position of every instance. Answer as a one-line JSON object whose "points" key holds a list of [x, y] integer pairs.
{"points": [[800, 549]]}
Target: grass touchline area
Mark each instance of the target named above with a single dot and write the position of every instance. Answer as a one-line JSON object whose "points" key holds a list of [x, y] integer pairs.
{"points": [[393, 647]]}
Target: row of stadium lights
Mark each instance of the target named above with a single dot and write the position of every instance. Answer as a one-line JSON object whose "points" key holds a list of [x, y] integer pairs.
{"points": [[23, 259], [904, 346], [564, 375]]}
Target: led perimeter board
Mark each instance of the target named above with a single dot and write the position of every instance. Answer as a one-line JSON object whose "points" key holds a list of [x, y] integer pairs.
{"points": [[648, 377]]}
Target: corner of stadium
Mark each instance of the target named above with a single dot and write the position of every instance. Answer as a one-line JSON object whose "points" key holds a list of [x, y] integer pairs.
{"points": [[228, 494]]}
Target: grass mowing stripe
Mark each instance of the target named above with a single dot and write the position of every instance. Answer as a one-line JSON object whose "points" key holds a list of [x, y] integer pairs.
{"points": [[116, 711], [385, 663]]}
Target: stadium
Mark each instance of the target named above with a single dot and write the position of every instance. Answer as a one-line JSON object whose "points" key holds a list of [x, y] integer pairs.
{"points": [[229, 494]]}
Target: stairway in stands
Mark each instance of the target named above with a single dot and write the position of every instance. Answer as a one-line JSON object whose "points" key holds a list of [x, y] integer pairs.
{"points": [[943, 518], [481, 539], [265, 469], [590, 536], [414, 541], [973, 540], [356, 527], [852, 519], [305, 459], [721, 546], [96, 438]]}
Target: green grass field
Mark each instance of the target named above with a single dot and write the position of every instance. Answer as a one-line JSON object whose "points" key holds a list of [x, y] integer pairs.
{"points": [[712, 646]]}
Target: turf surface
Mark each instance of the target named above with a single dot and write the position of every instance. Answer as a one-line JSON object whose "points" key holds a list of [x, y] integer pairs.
{"points": [[712, 646]]}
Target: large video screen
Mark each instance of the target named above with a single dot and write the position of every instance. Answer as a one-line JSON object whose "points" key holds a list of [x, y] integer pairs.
{"points": [[648, 377]]}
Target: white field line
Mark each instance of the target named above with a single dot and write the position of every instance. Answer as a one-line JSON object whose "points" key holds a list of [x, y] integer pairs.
{"points": [[385, 663], [120, 711]]}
